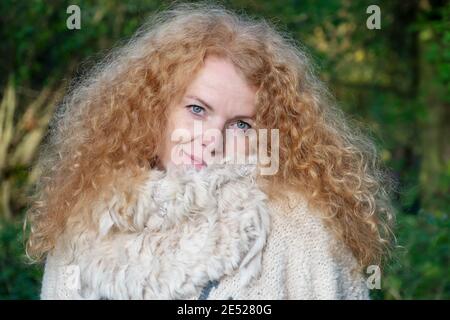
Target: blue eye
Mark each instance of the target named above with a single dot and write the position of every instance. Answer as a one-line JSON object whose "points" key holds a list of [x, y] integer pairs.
{"points": [[196, 109], [242, 125]]}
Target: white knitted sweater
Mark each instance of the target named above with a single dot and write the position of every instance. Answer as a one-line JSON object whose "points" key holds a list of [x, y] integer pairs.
{"points": [[211, 234]]}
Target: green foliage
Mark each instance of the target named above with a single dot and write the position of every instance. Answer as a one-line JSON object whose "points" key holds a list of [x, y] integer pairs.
{"points": [[18, 278], [421, 265]]}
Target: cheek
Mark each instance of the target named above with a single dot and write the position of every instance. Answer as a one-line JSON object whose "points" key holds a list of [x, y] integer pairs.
{"points": [[238, 145], [180, 127], [179, 131]]}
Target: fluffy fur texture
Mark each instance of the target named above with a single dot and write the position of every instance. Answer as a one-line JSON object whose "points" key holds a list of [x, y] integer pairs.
{"points": [[108, 130], [184, 229]]}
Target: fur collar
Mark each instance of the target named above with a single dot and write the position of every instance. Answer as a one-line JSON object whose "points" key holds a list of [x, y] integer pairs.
{"points": [[184, 229]]}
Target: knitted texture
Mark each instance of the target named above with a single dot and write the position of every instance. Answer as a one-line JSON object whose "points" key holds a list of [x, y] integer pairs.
{"points": [[210, 234], [302, 260]]}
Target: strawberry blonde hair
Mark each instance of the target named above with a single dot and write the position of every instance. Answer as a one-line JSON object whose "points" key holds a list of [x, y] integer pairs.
{"points": [[107, 131]]}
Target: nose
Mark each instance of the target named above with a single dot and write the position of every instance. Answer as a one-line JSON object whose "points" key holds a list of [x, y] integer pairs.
{"points": [[213, 137]]}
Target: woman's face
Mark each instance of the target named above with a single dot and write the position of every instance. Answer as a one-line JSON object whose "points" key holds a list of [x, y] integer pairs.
{"points": [[218, 103]]}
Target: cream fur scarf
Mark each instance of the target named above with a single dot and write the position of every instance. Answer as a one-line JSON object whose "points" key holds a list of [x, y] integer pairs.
{"points": [[185, 228]]}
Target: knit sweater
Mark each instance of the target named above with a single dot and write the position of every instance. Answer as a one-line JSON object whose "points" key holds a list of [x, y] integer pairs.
{"points": [[211, 234]]}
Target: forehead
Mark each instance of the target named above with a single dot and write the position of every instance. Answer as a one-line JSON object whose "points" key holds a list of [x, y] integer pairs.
{"points": [[222, 86]]}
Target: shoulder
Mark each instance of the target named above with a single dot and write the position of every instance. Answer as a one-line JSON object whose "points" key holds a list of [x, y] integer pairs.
{"points": [[302, 230], [299, 223], [319, 265]]}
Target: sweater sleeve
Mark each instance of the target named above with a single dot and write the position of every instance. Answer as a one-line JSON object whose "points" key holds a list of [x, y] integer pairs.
{"points": [[318, 265], [60, 280]]}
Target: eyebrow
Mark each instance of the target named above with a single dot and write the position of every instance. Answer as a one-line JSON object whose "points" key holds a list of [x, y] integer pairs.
{"points": [[208, 106]]}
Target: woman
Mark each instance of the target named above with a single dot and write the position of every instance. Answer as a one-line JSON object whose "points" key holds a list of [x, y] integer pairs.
{"points": [[141, 196]]}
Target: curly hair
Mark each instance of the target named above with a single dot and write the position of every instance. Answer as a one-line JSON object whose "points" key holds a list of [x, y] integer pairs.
{"points": [[106, 132]]}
